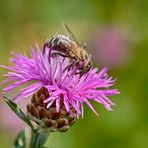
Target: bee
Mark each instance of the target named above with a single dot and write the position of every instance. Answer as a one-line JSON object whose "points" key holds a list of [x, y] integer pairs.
{"points": [[68, 46]]}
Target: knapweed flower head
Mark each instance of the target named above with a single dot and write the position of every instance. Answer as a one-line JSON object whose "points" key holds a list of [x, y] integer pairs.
{"points": [[63, 87]]}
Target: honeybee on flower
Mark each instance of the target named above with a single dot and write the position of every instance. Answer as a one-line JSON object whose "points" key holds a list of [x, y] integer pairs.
{"points": [[68, 46], [58, 93]]}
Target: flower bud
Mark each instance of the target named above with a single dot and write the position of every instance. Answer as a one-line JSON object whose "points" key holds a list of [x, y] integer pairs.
{"points": [[49, 117]]}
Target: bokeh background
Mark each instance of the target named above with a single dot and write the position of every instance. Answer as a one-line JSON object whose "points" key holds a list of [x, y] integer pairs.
{"points": [[116, 33]]}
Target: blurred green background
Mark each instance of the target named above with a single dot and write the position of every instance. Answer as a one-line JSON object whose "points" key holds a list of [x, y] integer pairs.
{"points": [[113, 29]]}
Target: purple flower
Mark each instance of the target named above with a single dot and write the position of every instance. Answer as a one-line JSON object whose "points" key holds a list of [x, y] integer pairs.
{"points": [[62, 84]]}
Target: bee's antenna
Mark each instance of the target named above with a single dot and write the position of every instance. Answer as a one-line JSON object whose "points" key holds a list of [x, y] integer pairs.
{"points": [[72, 36]]}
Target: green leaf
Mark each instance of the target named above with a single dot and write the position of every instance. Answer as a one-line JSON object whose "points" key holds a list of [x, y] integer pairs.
{"points": [[18, 111], [38, 136], [20, 141]]}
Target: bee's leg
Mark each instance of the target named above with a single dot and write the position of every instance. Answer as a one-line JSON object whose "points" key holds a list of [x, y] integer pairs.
{"points": [[75, 65], [47, 50], [46, 45], [55, 54], [71, 65], [80, 68], [63, 55], [80, 73]]}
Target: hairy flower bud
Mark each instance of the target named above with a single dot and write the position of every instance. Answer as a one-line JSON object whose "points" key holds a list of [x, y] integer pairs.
{"points": [[38, 111]]}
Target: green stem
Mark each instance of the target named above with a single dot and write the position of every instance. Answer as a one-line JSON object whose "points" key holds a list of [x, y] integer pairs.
{"points": [[38, 138]]}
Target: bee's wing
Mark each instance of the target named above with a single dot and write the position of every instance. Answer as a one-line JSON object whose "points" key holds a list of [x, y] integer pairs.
{"points": [[72, 36]]}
